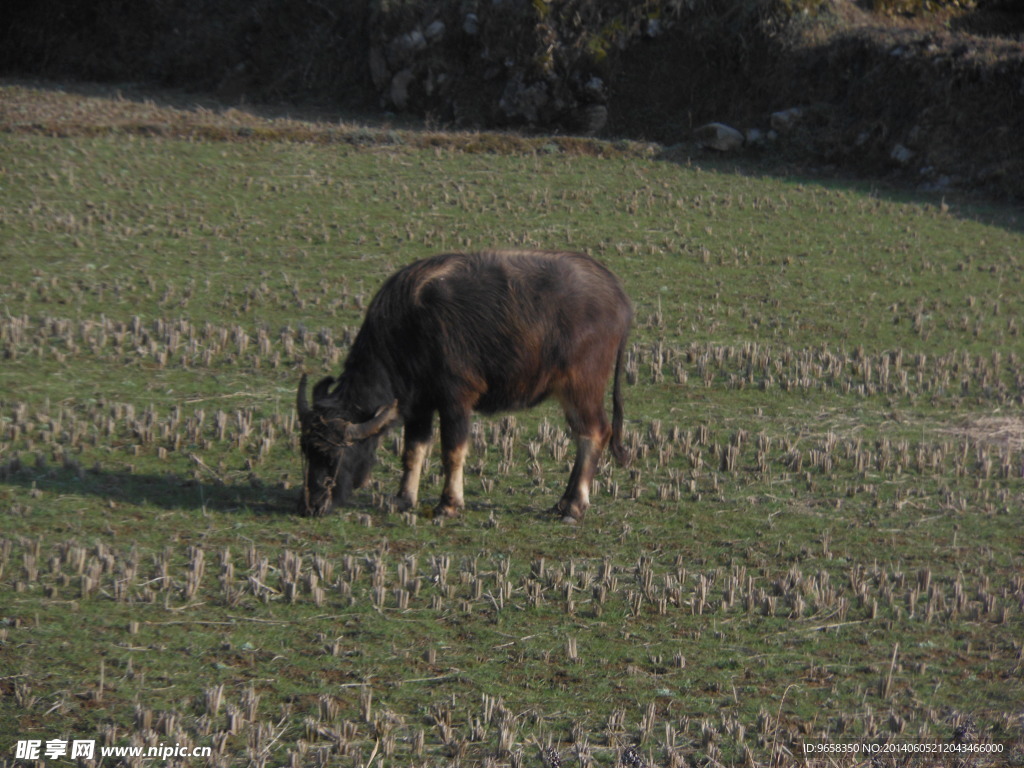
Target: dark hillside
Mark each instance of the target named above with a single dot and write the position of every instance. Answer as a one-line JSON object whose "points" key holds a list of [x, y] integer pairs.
{"points": [[933, 98], [261, 50], [934, 106]]}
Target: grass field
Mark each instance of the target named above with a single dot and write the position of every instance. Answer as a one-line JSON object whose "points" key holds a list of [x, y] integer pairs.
{"points": [[818, 545]]}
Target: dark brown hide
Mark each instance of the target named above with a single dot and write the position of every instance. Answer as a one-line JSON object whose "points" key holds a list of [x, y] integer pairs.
{"points": [[458, 333]]}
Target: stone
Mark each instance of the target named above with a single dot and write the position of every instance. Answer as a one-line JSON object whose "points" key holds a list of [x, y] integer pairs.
{"points": [[434, 31], [403, 48], [593, 118], [523, 101], [719, 136], [785, 120], [399, 91], [594, 87], [414, 41], [902, 154]]}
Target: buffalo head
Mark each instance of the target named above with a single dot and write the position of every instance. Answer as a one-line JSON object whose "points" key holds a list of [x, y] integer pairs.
{"points": [[338, 447]]}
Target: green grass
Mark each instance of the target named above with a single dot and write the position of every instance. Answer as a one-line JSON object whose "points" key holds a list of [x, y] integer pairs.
{"points": [[824, 382]]}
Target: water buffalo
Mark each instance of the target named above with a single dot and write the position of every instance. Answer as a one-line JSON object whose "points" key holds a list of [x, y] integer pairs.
{"points": [[458, 333]]}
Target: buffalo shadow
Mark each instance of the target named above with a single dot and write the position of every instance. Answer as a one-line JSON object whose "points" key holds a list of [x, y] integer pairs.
{"points": [[167, 490]]}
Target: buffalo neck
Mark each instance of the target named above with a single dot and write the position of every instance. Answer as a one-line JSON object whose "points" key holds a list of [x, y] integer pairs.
{"points": [[364, 385]]}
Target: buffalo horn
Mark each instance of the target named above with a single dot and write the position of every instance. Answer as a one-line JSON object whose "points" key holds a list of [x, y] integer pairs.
{"points": [[301, 401], [380, 421]]}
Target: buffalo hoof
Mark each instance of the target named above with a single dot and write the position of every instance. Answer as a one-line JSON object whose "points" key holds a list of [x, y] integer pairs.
{"points": [[446, 510], [312, 510], [403, 504], [570, 512]]}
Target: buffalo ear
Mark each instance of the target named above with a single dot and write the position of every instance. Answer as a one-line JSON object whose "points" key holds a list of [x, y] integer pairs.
{"points": [[320, 390], [385, 416]]}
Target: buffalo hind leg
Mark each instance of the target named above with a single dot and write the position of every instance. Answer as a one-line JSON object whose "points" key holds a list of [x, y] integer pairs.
{"points": [[592, 436], [414, 454], [454, 443]]}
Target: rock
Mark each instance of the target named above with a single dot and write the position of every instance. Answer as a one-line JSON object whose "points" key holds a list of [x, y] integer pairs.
{"points": [[755, 137], [594, 87], [414, 41], [523, 101], [399, 91], [403, 48], [593, 118], [434, 31], [471, 24], [901, 154], [785, 120], [719, 136]]}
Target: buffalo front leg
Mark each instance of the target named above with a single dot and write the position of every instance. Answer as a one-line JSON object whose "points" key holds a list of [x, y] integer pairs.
{"points": [[414, 455], [454, 443]]}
